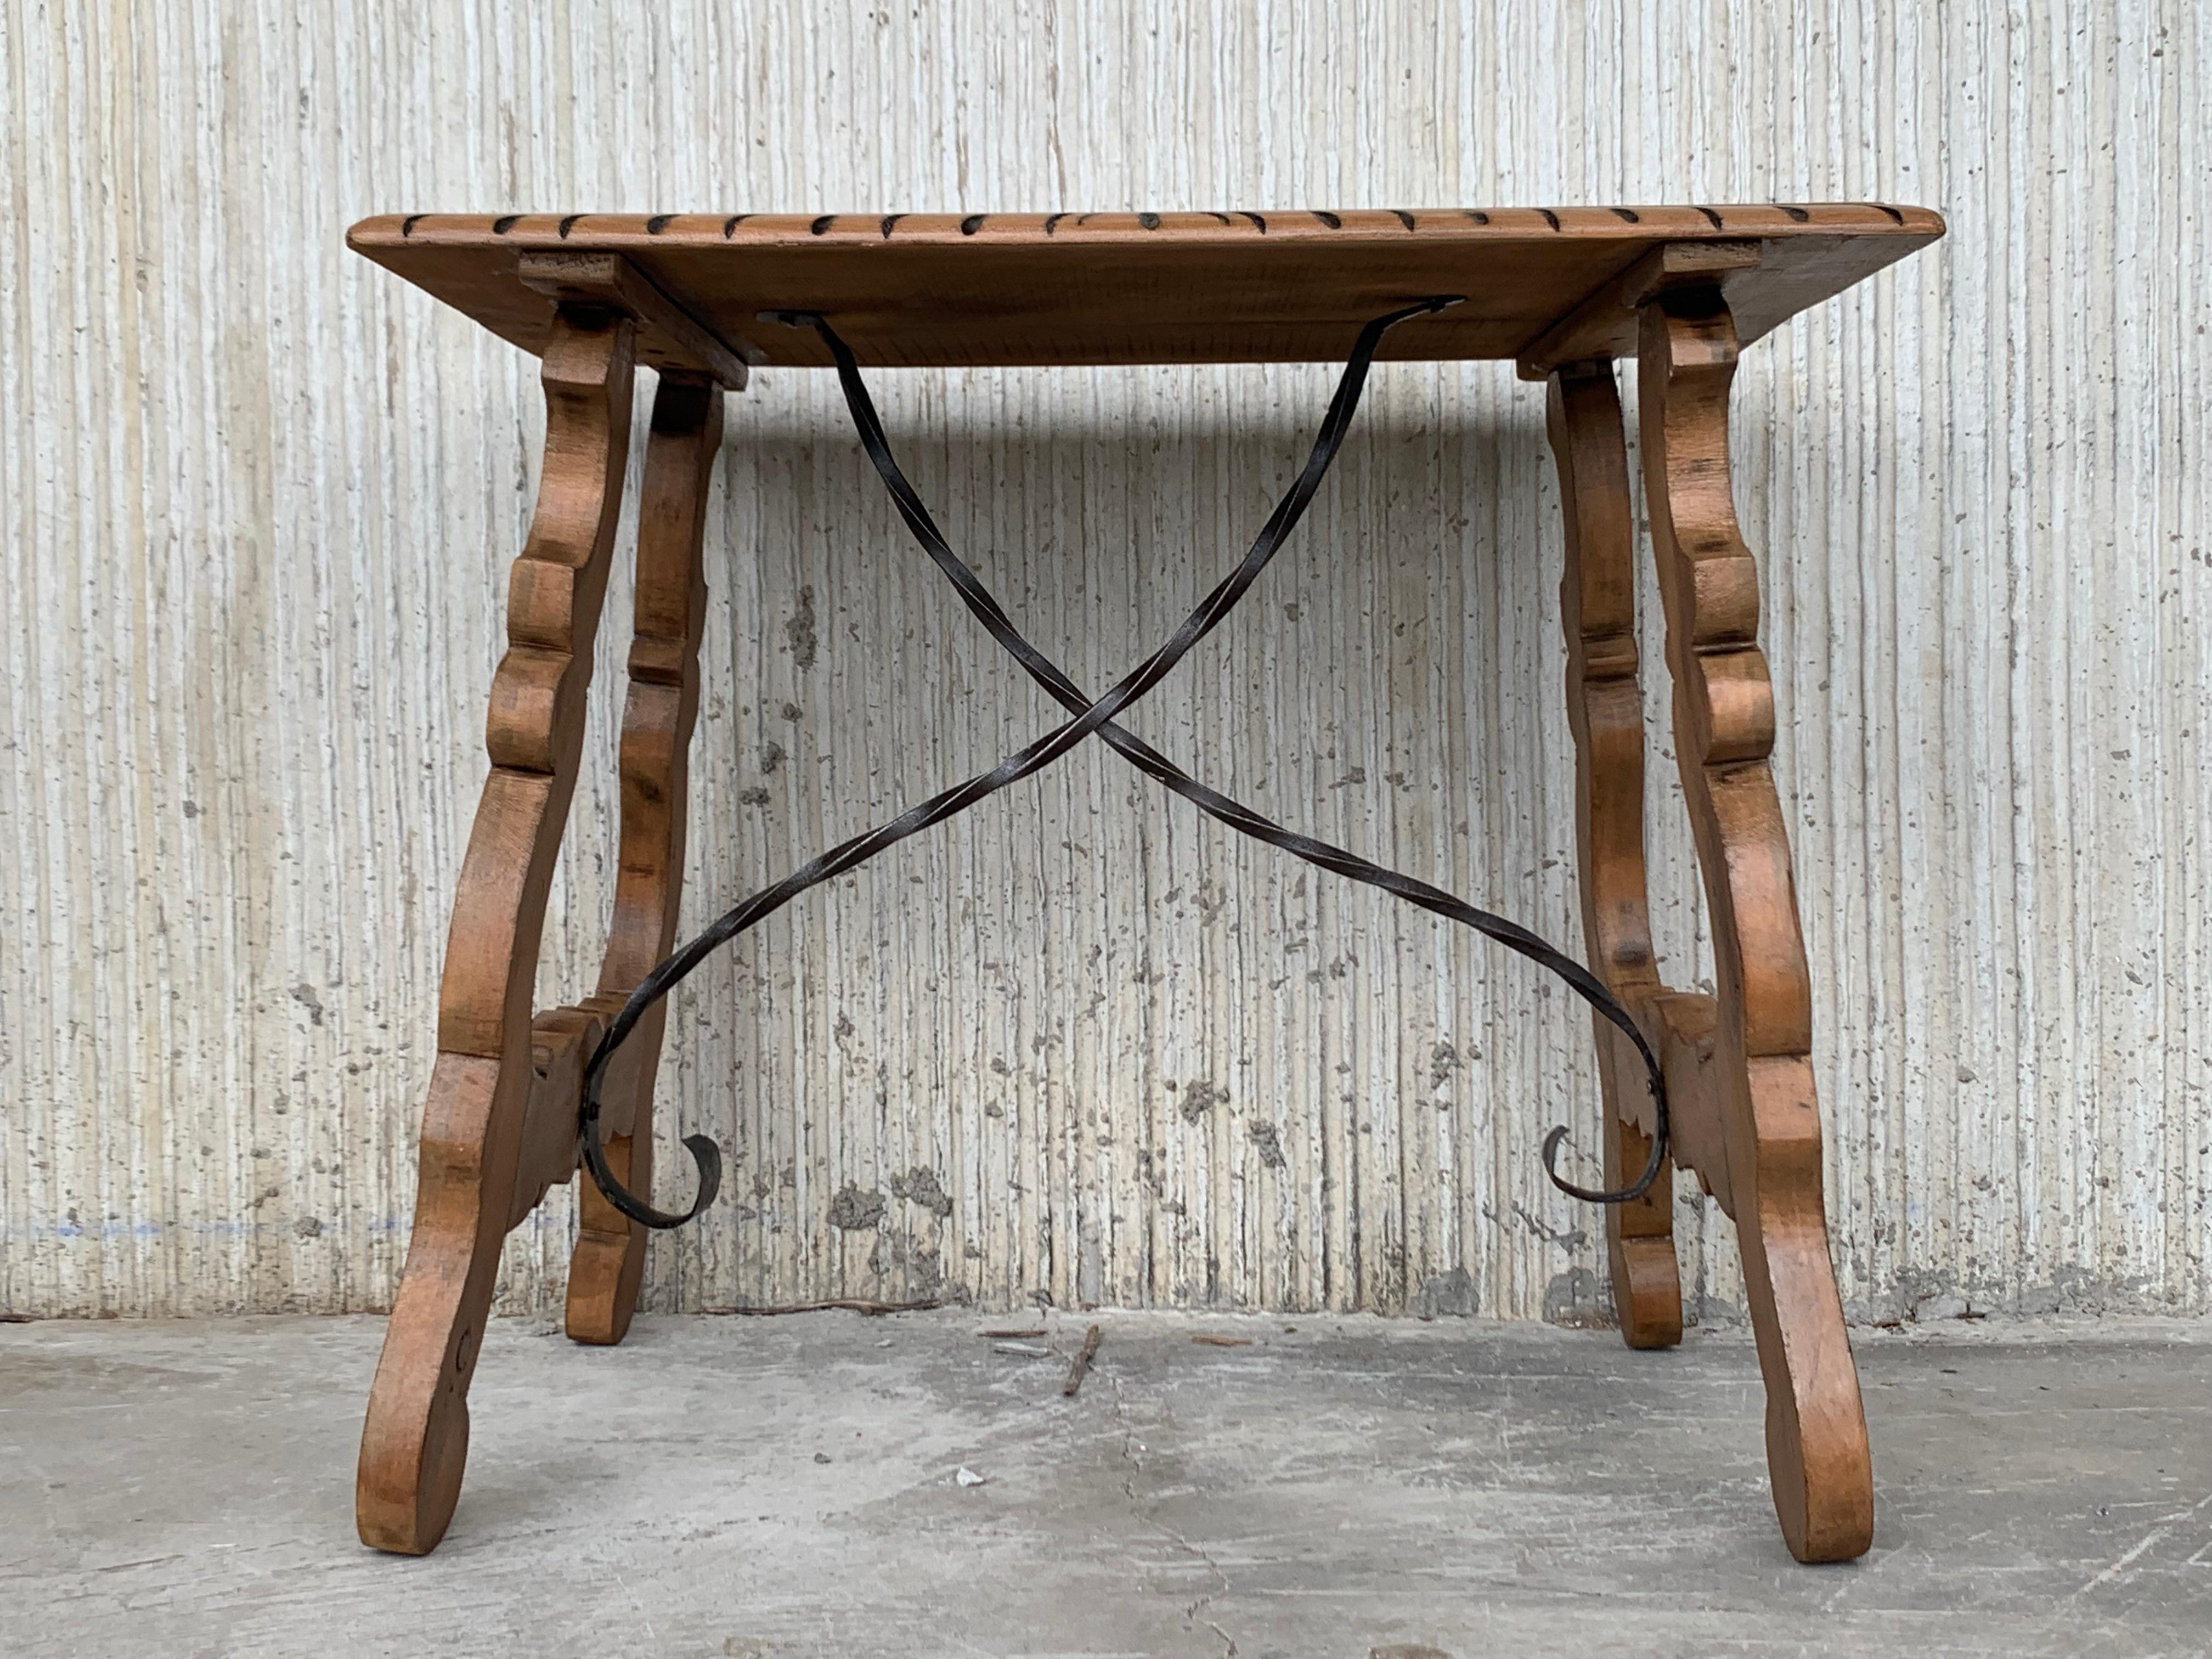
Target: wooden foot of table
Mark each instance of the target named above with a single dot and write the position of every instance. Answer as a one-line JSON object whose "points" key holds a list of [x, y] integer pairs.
{"points": [[1760, 1091], [1745, 1113], [609, 1263], [1605, 707], [475, 1126], [499, 1128]]}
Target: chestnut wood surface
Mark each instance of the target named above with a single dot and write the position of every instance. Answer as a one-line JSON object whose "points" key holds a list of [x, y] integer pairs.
{"points": [[1605, 710], [1284, 286], [608, 1261], [415, 1443], [1753, 1073]]}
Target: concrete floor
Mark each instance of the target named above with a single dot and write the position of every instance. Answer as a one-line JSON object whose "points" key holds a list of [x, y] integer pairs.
{"points": [[776, 1487]]}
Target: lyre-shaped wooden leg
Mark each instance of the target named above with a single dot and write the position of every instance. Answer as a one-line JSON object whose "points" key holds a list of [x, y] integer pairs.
{"points": [[609, 1263], [1605, 707], [415, 1441], [1750, 1075]]}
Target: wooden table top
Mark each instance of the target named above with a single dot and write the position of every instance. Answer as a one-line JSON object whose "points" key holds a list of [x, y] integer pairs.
{"points": [[1003, 289]]}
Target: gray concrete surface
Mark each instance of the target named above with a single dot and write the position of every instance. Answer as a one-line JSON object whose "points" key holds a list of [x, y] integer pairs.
{"points": [[777, 1487]]}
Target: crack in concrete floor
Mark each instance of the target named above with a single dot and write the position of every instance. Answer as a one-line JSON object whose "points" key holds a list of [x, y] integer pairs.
{"points": [[1129, 1486]]}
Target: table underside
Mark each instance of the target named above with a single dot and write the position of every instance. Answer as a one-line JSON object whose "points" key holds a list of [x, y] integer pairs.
{"points": [[1010, 289]]}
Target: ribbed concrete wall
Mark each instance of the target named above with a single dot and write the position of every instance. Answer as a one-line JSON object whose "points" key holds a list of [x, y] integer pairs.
{"points": [[259, 499]]}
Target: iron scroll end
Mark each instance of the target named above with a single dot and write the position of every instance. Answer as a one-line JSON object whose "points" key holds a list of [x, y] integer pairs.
{"points": [[706, 1158]]}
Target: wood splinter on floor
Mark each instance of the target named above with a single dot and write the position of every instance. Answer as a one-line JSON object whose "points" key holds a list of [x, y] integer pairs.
{"points": [[1081, 1368], [1224, 1341]]}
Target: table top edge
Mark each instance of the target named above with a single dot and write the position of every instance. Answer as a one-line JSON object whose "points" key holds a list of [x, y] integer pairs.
{"points": [[1213, 229]]}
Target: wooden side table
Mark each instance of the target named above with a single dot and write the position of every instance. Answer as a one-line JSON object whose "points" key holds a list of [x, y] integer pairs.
{"points": [[1560, 292]]}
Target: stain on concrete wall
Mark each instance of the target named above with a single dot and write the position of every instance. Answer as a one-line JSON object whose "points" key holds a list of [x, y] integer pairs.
{"points": [[260, 500]]}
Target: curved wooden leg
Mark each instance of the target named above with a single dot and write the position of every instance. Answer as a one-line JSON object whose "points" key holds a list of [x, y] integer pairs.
{"points": [[1758, 1067], [415, 1441], [609, 1263], [1605, 706]]}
